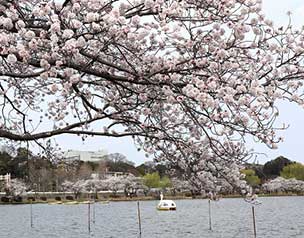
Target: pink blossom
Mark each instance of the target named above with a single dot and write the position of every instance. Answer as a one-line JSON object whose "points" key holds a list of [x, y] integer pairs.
{"points": [[59, 63], [11, 58], [96, 26], [20, 24], [4, 40], [55, 27], [44, 64], [149, 3], [75, 78], [213, 65], [44, 75], [33, 44], [180, 77], [91, 17], [67, 34], [81, 42], [135, 20], [29, 35], [76, 7], [221, 54], [7, 23], [76, 24]]}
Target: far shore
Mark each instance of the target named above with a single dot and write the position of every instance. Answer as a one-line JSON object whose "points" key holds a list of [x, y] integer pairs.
{"points": [[140, 198]]}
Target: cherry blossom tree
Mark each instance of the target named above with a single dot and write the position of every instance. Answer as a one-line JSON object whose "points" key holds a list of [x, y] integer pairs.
{"points": [[76, 187], [206, 172], [16, 188], [128, 184], [280, 184], [171, 74], [179, 185], [132, 184], [115, 184]]}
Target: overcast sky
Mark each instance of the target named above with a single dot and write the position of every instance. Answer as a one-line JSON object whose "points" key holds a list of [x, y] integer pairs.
{"points": [[293, 115]]}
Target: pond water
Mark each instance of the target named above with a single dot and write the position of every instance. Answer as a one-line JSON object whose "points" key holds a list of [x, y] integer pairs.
{"points": [[279, 217]]}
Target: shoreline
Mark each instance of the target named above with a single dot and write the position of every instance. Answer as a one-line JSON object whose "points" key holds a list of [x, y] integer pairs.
{"points": [[147, 198]]}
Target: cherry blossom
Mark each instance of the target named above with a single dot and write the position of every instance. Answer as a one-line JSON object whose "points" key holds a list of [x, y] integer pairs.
{"points": [[280, 184], [171, 74], [16, 188]]}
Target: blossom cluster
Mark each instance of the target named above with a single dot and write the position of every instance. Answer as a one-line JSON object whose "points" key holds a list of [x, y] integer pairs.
{"points": [[280, 184], [172, 74]]}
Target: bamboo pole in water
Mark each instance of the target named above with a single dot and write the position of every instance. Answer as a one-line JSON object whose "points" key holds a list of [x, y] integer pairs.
{"points": [[209, 205], [254, 226], [31, 213], [94, 216], [89, 217], [139, 220]]}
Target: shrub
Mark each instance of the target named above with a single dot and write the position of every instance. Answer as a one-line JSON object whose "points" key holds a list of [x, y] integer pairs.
{"points": [[69, 198], [58, 198], [5, 199], [18, 199], [31, 198]]}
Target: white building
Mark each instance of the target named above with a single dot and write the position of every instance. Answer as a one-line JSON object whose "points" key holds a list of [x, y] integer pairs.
{"points": [[6, 178], [93, 156]]}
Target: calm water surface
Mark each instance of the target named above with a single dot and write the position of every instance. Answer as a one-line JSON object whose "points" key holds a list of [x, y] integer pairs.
{"points": [[279, 217]]}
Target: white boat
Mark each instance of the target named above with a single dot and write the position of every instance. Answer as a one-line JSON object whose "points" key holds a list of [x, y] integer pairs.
{"points": [[166, 205]]}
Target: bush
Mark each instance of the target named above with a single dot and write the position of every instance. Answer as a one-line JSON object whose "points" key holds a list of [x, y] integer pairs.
{"points": [[43, 198], [295, 170], [5, 199], [58, 198], [114, 196], [18, 199], [69, 198], [31, 199]]}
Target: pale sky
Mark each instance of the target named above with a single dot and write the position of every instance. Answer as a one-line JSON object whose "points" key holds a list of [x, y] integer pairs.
{"points": [[289, 114]]}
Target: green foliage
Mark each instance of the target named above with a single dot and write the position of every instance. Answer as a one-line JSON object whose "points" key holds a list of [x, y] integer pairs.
{"points": [[151, 167], [258, 168], [273, 168], [295, 170], [248, 172], [23, 154], [5, 160], [16, 166], [141, 169], [251, 178], [152, 180], [165, 182]]}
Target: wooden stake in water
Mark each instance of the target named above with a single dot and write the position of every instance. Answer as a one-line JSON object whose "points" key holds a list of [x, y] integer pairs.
{"points": [[209, 205], [253, 218], [31, 213], [89, 217], [94, 212], [139, 220]]}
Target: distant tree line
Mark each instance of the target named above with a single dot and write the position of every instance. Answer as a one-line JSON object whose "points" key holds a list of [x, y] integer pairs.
{"points": [[42, 174], [278, 175]]}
